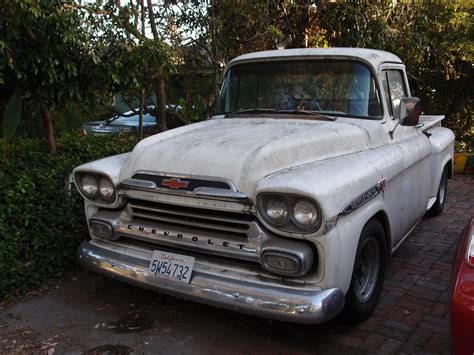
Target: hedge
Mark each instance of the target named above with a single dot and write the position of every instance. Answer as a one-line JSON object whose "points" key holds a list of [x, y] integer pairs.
{"points": [[42, 219]]}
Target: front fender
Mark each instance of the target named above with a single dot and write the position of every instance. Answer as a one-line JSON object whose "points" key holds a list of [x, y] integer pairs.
{"points": [[339, 245], [333, 183], [109, 166]]}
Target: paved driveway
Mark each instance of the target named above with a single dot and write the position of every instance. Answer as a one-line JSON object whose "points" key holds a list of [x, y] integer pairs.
{"points": [[84, 312]]}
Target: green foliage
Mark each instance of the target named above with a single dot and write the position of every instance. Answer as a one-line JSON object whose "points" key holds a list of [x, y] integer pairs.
{"points": [[41, 221], [47, 54], [68, 119], [11, 116], [61, 53], [434, 40], [83, 52], [139, 68], [43, 52], [134, 62]]}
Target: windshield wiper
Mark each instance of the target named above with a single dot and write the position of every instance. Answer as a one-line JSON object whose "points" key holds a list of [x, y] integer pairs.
{"points": [[272, 110], [308, 112], [251, 110]]}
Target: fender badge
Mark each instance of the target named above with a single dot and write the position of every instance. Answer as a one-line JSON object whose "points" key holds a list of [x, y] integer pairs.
{"points": [[367, 195]]}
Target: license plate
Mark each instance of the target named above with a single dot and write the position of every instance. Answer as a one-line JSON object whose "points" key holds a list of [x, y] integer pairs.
{"points": [[171, 266]]}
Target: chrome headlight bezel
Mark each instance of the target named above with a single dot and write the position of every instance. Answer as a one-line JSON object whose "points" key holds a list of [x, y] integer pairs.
{"points": [[290, 224], [99, 197]]}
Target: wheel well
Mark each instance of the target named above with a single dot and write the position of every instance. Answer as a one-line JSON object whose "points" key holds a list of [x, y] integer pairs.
{"points": [[449, 165], [383, 219]]}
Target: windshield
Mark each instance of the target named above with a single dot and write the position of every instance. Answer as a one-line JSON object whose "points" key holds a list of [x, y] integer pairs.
{"points": [[331, 87]]}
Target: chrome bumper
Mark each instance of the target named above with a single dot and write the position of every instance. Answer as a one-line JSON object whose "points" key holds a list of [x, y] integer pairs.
{"points": [[299, 305]]}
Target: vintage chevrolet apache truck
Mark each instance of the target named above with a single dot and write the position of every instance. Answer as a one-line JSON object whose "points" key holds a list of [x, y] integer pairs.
{"points": [[288, 201]]}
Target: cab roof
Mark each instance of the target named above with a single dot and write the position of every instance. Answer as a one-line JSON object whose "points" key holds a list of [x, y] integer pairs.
{"points": [[372, 57]]}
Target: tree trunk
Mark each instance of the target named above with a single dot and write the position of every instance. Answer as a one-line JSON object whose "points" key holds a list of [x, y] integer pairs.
{"points": [[142, 14], [160, 111], [302, 21], [47, 120], [141, 5], [215, 64], [140, 117]]}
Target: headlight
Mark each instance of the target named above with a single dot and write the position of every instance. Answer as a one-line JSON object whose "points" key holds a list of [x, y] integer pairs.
{"points": [[305, 213], [106, 189], [96, 187], [290, 213], [89, 185], [277, 210]]}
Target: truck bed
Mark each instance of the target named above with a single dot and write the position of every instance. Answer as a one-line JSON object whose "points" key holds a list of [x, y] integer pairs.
{"points": [[429, 121]]}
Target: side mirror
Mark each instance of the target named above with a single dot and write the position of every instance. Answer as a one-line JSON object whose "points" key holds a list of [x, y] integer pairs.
{"points": [[410, 110]]}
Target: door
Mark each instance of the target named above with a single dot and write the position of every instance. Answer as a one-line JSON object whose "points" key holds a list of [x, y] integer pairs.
{"points": [[415, 150]]}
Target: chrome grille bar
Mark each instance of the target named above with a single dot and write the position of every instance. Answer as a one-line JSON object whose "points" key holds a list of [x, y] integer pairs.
{"points": [[213, 220]]}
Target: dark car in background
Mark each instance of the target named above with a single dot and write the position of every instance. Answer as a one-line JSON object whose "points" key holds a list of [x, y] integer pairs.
{"points": [[462, 294], [129, 121], [120, 124]]}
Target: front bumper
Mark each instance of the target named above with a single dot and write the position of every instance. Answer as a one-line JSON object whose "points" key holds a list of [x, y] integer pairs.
{"points": [[300, 304]]}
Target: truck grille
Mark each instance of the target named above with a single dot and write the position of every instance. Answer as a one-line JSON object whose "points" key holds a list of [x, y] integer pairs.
{"points": [[236, 224]]}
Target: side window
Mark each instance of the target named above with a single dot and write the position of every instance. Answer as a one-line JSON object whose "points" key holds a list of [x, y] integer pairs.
{"points": [[395, 90], [386, 91]]}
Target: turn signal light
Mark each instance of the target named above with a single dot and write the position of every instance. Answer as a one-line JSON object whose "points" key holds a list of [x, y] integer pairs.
{"points": [[281, 263], [101, 229]]}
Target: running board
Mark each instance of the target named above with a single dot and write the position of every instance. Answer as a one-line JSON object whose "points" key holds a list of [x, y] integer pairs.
{"points": [[394, 249]]}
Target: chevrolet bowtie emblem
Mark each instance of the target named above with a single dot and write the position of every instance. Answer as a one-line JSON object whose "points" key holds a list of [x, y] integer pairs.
{"points": [[175, 183]]}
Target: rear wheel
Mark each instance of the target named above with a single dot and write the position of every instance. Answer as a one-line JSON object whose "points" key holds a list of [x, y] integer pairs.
{"points": [[368, 273], [438, 206]]}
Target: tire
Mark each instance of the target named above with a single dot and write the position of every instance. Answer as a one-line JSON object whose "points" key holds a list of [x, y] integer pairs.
{"points": [[364, 290], [438, 206]]}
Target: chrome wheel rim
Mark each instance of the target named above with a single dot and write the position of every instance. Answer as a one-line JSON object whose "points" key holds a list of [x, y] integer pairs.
{"points": [[367, 269], [442, 188]]}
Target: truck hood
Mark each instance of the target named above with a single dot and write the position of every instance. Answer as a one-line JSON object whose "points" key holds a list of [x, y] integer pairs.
{"points": [[245, 150]]}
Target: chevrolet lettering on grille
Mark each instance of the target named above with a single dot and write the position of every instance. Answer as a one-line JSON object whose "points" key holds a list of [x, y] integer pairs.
{"points": [[175, 183], [186, 239]]}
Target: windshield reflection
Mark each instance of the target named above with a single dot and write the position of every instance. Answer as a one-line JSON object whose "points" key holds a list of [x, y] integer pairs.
{"points": [[328, 87]]}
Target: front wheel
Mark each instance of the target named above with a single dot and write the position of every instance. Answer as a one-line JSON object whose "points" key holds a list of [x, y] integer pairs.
{"points": [[438, 206], [368, 273]]}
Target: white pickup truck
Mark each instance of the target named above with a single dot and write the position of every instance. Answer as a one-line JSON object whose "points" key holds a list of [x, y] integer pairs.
{"points": [[288, 201]]}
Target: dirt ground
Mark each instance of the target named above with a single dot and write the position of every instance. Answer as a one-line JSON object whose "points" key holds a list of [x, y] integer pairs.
{"points": [[86, 313]]}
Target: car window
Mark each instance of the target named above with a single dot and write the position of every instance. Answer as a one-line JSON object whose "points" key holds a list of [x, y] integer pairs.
{"points": [[395, 90]]}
